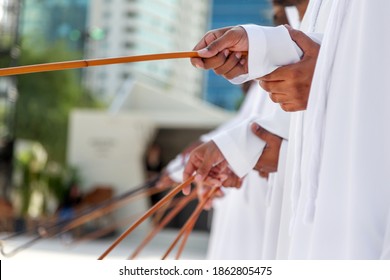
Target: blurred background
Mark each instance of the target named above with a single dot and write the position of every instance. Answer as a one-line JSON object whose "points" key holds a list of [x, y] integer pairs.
{"points": [[74, 138]]}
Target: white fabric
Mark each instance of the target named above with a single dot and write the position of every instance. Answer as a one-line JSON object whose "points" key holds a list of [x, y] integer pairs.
{"points": [[346, 138], [237, 146], [269, 48], [239, 219], [292, 14], [175, 168], [273, 210], [237, 227], [254, 102], [314, 24]]}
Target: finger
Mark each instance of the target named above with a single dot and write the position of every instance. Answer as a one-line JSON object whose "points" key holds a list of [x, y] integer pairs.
{"points": [[231, 61], [186, 190], [279, 97], [303, 41], [229, 40], [280, 74], [292, 107], [281, 86], [204, 169], [206, 40], [197, 62], [264, 134], [190, 167], [212, 181], [240, 68], [259, 131], [216, 61], [263, 174]]}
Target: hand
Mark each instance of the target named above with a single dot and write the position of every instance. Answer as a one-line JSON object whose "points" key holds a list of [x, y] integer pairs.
{"points": [[208, 163], [290, 85], [221, 50], [269, 159], [232, 180], [189, 149], [202, 189]]}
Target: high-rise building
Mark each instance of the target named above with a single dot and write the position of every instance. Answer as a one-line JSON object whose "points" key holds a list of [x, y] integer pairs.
{"points": [[131, 27], [9, 53], [229, 13], [48, 21]]}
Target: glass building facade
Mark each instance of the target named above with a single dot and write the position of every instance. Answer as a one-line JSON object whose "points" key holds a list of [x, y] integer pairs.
{"points": [[227, 13], [48, 21]]}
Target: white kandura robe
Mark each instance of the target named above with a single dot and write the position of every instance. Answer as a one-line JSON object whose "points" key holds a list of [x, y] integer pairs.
{"points": [[313, 24], [238, 218], [269, 48], [242, 149], [343, 208], [238, 224]]}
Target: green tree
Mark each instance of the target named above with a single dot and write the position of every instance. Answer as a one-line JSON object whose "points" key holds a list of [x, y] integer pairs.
{"points": [[46, 99]]}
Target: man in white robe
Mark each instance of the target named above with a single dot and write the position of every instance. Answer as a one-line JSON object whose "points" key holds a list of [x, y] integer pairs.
{"points": [[343, 196], [278, 50], [238, 225], [343, 207]]}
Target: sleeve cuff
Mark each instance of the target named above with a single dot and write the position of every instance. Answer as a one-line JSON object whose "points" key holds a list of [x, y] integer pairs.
{"points": [[241, 149]]}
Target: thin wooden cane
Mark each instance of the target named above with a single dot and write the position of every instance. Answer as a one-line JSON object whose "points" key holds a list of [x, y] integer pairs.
{"points": [[180, 205], [98, 233], [108, 229], [16, 250], [186, 234], [160, 214], [54, 231], [64, 65], [152, 210], [55, 66], [48, 226], [109, 208], [197, 210]]}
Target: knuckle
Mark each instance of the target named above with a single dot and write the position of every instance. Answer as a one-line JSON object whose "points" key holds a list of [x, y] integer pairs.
{"points": [[219, 72], [274, 98], [286, 107], [265, 86]]}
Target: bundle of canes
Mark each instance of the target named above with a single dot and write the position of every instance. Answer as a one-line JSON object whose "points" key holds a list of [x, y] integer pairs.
{"points": [[148, 213], [189, 225], [161, 221], [86, 215], [184, 231], [55, 66]]}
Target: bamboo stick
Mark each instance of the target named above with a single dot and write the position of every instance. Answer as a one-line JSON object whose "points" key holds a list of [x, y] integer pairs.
{"points": [[152, 210], [55, 66], [189, 222], [83, 63], [183, 202]]}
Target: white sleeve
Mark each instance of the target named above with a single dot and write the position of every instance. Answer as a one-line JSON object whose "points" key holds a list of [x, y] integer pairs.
{"points": [[175, 168], [269, 48], [240, 147]]}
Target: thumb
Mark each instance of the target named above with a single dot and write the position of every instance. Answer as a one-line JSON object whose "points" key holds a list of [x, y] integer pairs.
{"points": [[307, 45], [230, 40], [259, 131]]}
